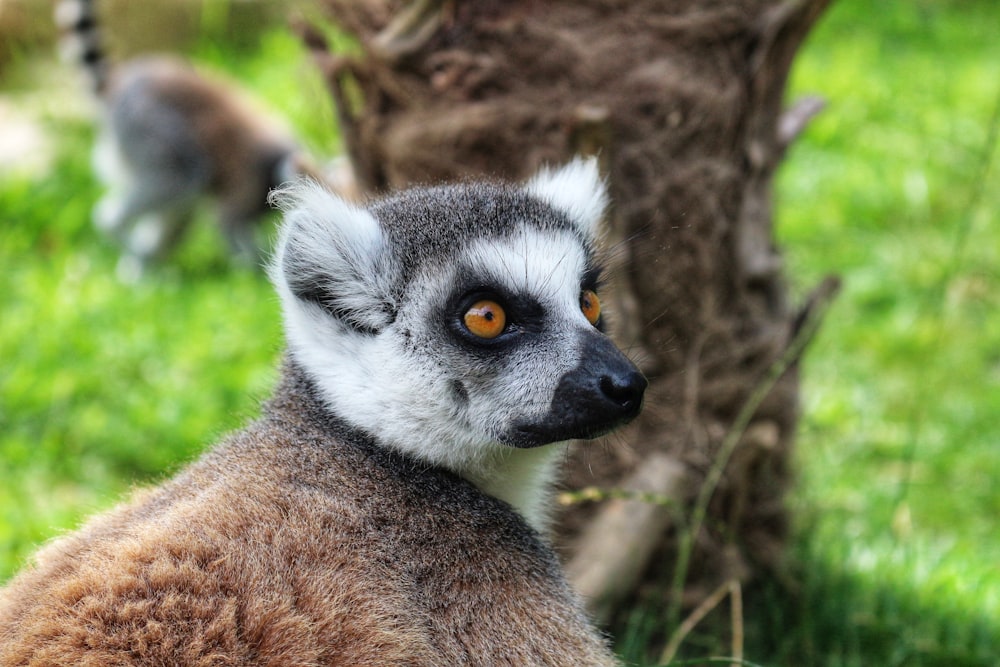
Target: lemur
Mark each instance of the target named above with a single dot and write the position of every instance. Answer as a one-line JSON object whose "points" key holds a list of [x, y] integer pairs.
{"points": [[389, 506], [171, 136]]}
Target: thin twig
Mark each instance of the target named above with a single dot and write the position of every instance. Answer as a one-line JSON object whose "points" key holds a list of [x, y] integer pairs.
{"points": [[694, 618], [597, 494], [820, 304], [975, 197], [736, 614]]}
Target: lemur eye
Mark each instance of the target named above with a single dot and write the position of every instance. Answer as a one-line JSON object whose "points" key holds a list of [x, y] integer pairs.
{"points": [[485, 319], [591, 306]]}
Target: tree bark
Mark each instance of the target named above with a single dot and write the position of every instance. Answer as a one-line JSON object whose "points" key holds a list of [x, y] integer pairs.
{"points": [[683, 102]]}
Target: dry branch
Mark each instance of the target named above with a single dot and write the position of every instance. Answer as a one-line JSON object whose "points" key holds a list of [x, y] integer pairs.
{"points": [[613, 551]]}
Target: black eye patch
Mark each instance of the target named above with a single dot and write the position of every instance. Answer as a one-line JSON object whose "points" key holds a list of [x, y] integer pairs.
{"points": [[524, 315]]}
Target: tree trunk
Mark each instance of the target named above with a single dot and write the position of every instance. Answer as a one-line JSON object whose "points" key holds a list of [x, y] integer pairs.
{"points": [[683, 102]]}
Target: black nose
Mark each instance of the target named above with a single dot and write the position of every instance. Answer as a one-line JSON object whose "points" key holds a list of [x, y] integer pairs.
{"points": [[602, 393], [624, 389]]}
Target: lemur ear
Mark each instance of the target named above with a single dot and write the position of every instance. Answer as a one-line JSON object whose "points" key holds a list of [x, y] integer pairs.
{"points": [[333, 255], [577, 190]]}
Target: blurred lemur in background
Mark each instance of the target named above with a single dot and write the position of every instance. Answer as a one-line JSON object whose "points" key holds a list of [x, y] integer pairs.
{"points": [[169, 138]]}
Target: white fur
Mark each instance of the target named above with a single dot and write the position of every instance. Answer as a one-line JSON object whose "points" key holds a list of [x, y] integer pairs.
{"points": [[547, 266], [524, 478], [390, 386], [577, 190], [345, 245], [108, 214]]}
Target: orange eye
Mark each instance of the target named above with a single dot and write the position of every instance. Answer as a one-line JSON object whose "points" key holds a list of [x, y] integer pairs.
{"points": [[591, 306], [485, 319]]}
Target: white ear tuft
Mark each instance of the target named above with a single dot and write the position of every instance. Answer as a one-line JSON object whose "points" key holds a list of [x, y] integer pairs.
{"points": [[577, 190], [331, 254]]}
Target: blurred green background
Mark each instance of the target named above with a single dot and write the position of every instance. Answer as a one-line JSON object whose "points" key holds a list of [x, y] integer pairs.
{"points": [[895, 186]]}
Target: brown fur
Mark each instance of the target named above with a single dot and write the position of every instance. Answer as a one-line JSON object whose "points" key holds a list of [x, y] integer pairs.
{"points": [[297, 541], [237, 137], [173, 136]]}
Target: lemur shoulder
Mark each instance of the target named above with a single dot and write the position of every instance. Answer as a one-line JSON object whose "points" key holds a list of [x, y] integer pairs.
{"points": [[389, 506]]}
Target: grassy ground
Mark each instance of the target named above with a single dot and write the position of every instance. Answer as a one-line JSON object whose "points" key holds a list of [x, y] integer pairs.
{"points": [[102, 385], [895, 187], [896, 559], [898, 189]]}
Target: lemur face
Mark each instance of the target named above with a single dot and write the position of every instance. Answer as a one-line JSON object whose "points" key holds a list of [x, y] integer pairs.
{"points": [[450, 321]]}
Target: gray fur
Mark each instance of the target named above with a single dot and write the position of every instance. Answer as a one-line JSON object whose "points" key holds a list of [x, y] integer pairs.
{"points": [[427, 225]]}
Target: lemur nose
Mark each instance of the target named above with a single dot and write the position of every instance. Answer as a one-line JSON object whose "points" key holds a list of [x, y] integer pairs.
{"points": [[602, 393], [625, 389]]}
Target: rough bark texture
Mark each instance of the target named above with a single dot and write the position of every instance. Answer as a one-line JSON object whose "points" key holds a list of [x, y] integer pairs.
{"points": [[683, 101]]}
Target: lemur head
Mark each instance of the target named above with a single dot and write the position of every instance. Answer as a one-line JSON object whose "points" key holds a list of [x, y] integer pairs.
{"points": [[448, 322]]}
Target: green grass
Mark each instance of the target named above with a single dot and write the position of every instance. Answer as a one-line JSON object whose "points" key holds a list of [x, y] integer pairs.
{"points": [[896, 187], [896, 556], [103, 385]]}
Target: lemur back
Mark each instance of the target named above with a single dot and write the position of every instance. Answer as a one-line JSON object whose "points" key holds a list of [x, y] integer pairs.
{"points": [[170, 137], [389, 506]]}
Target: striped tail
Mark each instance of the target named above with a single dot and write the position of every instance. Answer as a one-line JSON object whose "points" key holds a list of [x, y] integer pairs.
{"points": [[80, 40]]}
